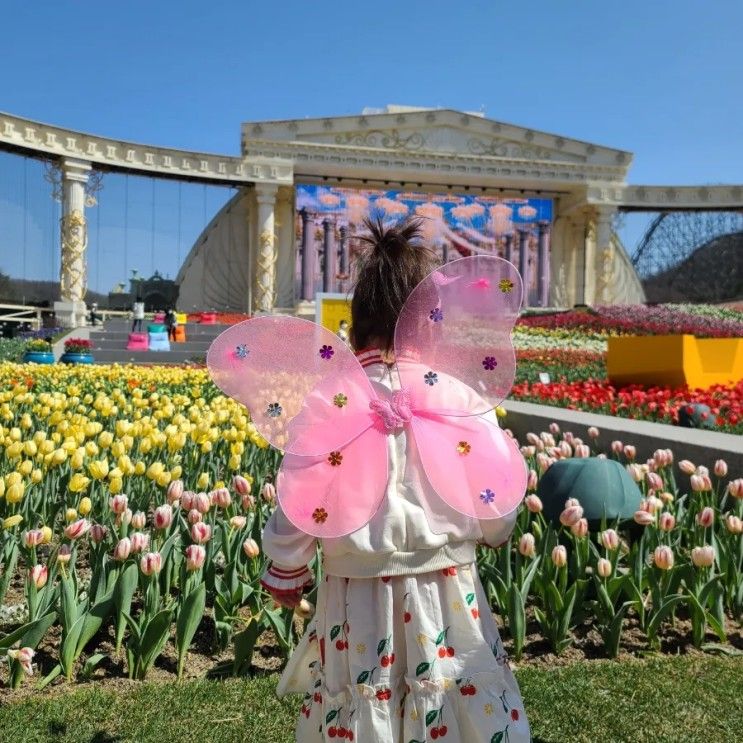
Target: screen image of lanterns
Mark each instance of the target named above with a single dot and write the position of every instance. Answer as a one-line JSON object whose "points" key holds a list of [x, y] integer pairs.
{"points": [[329, 219]]}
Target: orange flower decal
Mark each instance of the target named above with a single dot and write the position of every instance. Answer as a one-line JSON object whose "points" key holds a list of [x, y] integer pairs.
{"points": [[464, 448]]}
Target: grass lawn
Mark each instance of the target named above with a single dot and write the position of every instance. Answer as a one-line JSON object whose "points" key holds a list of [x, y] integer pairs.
{"points": [[662, 699]]}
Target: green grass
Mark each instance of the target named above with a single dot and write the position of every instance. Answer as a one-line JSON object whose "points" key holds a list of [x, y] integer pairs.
{"points": [[663, 699]]}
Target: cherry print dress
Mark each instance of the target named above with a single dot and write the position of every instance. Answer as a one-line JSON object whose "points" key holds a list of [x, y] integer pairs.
{"points": [[403, 647]]}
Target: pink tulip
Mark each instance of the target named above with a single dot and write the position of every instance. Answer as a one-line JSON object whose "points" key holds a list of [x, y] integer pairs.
{"points": [[721, 468], [533, 439], [687, 467], [140, 542], [636, 472], [643, 518], [610, 539], [617, 447], [547, 439], [601, 456], [151, 563], [240, 485], [64, 554], [195, 557], [569, 437], [582, 451], [554, 429], [123, 549], [25, 657], [560, 556], [565, 450], [33, 538], [571, 515], [603, 567], [38, 575], [221, 498], [77, 529], [706, 517], [238, 522], [533, 503], [163, 517], [593, 432], [734, 524], [247, 501], [663, 557], [139, 520], [175, 491], [654, 481], [268, 493], [653, 504], [187, 500], [124, 518], [98, 533], [119, 503], [735, 488], [662, 457], [543, 462], [251, 548], [194, 516], [666, 497], [697, 483], [201, 532], [667, 521], [532, 481], [630, 452], [527, 545], [702, 470], [579, 528], [202, 503], [570, 502], [528, 451], [703, 557]]}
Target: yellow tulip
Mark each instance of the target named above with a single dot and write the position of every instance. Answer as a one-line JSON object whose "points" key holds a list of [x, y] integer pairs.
{"points": [[91, 449], [176, 472], [58, 456], [206, 447], [105, 439], [12, 521], [155, 469], [203, 482], [15, 434], [115, 485], [30, 448], [36, 476], [46, 535], [14, 493], [163, 479], [77, 459], [234, 462], [98, 469], [500, 411], [2, 487], [78, 483], [70, 515], [14, 450], [85, 506], [46, 447], [139, 468], [25, 467]]}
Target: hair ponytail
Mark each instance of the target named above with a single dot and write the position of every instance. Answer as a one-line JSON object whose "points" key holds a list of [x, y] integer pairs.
{"points": [[393, 264]]}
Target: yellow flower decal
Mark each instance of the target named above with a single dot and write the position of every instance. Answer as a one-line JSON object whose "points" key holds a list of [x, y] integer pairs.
{"points": [[464, 448], [505, 285]]}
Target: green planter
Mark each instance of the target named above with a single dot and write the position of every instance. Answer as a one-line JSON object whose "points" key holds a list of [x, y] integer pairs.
{"points": [[76, 358], [38, 357]]}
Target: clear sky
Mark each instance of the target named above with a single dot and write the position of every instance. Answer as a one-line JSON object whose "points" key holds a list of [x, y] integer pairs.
{"points": [[663, 79]]}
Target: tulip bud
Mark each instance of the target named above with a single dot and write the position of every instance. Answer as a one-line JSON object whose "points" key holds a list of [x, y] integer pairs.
{"points": [[238, 522], [77, 529], [24, 657], [47, 535], [593, 432], [543, 462], [560, 556], [527, 545], [33, 538], [247, 501], [251, 549], [571, 515], [643, 518], [532, 481], [735, 488], [667, 521], [194, 516], [175, 491], [38, 575], [201, 532], [547, 439], [64, 554], [582, 451], [533, 439], [202, 503], [630, 452], [663, 557], [654, 481], [603, 567], [653, 504], [528, 451], [220, 498], [163, 517], [666, 497], [119, 503], [151, 563], [734, 524], [702, 470], [70, 515], [187, 500], [610, 539], [706, 517], [703, 557], [636, 472], [139, 520], [617, 447], [268, 493], [203, 481], [304, 609], [569, 437], [687, 467], [533, 503], [140, 542], [195, 557], [123, 549], [85, 506], [240, 485], [579, 528], [98, 533]]}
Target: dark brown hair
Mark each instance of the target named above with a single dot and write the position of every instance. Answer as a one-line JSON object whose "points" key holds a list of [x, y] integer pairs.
{"points": [[392, 265]]}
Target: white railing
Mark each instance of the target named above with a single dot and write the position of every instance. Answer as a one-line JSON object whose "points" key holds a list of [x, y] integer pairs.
{"points": [[22, 313]]}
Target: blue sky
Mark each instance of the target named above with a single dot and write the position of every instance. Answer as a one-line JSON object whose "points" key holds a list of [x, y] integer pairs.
{"points": [[662, 79]]}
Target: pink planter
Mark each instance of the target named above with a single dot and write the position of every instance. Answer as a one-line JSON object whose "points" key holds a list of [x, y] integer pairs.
{"points": [[137, 342], [208, 318]]}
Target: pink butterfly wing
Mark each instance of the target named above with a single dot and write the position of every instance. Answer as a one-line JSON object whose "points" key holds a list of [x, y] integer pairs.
{"points": [[306, 392], [472, 464], [336, 494], [456, 326]]}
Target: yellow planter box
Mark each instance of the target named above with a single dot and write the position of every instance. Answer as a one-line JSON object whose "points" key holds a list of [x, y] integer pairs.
{"points": [[674, 360], [182, 318]]}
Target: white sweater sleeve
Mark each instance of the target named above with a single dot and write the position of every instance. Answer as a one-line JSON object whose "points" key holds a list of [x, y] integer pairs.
{"points": [[289, 550], [497, 531]]}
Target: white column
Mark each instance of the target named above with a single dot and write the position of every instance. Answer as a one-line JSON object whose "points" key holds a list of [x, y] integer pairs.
{"points": [[70, 310], [286, 250], [265, 263], [604, 265]]}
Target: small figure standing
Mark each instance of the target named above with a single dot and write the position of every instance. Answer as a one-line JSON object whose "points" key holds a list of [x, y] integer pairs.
{"points": [[343, 331], [138, 315], [171, 320]]}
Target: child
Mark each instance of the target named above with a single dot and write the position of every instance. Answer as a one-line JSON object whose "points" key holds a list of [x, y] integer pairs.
{"points": [[403, 646], [343, 331]]}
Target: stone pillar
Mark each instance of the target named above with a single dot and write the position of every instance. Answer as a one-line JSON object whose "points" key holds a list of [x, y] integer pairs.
{"points": [[71, 311], [604, 255], [509, 248], [543, 266], [308, 258], [588, 294], [343, 251], [328, 256], [524, 263], [265, 268]]}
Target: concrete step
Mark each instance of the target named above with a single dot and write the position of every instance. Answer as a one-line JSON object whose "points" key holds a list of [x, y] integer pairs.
{"points": [[120, 344], [110, 356]]}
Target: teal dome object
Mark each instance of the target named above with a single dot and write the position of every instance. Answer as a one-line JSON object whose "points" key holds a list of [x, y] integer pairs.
{"points": [[602, 486]]}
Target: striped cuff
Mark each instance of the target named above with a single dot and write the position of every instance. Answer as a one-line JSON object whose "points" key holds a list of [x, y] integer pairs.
{"points": [[281, 579]]}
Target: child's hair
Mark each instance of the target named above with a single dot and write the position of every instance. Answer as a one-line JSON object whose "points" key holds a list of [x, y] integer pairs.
{"points": [[394, 263]]}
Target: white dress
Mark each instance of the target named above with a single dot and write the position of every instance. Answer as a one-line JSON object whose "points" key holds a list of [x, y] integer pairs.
{"points": [[403, 647]]}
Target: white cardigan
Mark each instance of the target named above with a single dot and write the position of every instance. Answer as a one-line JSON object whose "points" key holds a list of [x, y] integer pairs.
{"points": [[399, 539]]}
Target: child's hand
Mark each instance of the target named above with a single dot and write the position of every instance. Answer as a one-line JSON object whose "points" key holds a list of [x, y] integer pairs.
{"points": [[287, 600]]}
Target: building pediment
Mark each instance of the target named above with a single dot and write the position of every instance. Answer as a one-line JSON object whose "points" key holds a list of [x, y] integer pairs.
{"points": [[439, 131]]}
